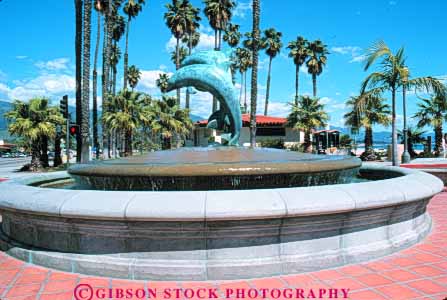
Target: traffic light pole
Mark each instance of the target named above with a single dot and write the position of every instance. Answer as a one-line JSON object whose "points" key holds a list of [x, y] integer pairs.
{"points": [[67, 141]]}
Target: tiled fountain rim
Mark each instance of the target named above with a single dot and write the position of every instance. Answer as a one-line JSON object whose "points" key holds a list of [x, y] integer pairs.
{"points": [[18, 195]]}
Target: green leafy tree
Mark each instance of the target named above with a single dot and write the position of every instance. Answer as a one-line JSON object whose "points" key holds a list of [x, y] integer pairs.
{"points": [[132, 8], [375, 112], [308, 115], [432, 112], [317, 53], [299, 54], [272, 43], [35, 122]]}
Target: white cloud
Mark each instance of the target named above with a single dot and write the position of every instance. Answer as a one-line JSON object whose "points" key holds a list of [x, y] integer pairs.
{"points": [[21, 57], [206, 42], [346, 49], [55, 64], [242, 8], [358, 58], [325, 100], [41, 86], [354, 51]]}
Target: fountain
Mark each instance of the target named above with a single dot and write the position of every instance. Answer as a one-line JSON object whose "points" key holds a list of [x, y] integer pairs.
{"points": [[214, 213]]}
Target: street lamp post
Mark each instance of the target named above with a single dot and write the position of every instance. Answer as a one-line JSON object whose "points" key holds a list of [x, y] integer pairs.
{"points": [[405, 155]]}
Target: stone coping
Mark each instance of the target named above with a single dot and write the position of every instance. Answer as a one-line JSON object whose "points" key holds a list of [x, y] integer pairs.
{"points": [[413, 185]]}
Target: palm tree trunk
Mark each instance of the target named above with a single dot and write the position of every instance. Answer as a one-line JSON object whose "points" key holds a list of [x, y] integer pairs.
{"points": [[177, 66], [128, 142], [368, 140], [36, 163], [267, 94], [314, 84], [57, 151], [297, 77], [219, 41], [108, 27], [394, 129], [126, 54], [188, 96], [438, 140], [254, 72], [241, 90], [85, 121], [44, 151], [307, 142], [95, 89], [78, 50], [245, 93], [216, 47]]}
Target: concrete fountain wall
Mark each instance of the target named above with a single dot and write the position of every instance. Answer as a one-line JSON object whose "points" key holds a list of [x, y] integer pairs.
{"points": [[207, 235]]}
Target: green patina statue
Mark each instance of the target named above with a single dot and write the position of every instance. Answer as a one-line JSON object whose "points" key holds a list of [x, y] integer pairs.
{"points": [[209, 71]]}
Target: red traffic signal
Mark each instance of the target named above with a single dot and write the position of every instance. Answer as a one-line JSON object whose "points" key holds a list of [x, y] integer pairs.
{"points": [[74, 129]]}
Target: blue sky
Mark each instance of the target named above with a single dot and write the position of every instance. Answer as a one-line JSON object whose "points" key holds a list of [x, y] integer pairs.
{"points": [[37, 52]]}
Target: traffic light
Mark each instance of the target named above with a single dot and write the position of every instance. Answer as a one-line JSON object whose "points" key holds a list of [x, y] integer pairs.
{"points": [[74, 130], [63, 107]]}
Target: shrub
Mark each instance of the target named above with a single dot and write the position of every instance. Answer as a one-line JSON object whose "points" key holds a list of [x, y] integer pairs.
{"points": [[272, 143]]}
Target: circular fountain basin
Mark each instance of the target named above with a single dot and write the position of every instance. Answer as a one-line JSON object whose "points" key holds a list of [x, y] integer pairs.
{"points": [[223, 168], [214, 235]]}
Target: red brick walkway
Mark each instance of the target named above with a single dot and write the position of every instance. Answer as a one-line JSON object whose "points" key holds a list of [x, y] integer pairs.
{"points": [[416, 273]]}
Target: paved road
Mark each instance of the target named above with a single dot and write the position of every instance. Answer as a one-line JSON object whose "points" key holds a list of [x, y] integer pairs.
{"points": [[8, 166]]}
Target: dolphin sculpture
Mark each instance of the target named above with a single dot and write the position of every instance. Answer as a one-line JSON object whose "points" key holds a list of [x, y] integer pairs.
{"points": [[209, 71]]}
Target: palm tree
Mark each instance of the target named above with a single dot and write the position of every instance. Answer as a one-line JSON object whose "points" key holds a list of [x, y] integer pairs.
{"points": [[133, 76], [254, 71], [176, 19], [85, 104], [308, 115], [375, 112], [192, 40], [162, 82], [232, 35], [99, 7], [273, 45], [170, 120], [219, 14], [118, 31], [35, 122], [78, 75], [132, 8], [243, 62], [115, 56], [317, 52], [182, 54], [432, 112], [128, 116], [298, 51], [110, 13], [415, 135], [389, 77]]}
